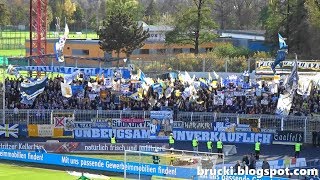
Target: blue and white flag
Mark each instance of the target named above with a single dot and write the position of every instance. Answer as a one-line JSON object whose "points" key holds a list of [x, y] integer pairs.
{"points": [[282, 42], [68, 78], [281, 56], [9, 130], [32, 89], [58, 47], [24, 100], [125, 88], [13, 71], [77, 89], [293, 79], [158, 89]]}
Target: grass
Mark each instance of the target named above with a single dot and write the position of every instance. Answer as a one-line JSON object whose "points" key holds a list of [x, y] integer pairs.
{"points": [[15, 172], [13, 52], [13, 43]]}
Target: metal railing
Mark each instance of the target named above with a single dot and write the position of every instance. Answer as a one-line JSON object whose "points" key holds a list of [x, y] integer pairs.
{"points": [[306, 124]]}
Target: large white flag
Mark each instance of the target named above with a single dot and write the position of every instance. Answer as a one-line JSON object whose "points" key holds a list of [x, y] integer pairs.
{"points": [[66, 90], [284, 104], [304, 87]]}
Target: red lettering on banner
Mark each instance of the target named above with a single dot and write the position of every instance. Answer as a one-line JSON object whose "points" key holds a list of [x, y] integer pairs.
{"points": [[132, 120]]}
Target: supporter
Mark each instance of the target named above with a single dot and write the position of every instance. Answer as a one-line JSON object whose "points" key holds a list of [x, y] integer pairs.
{"points": [[260, 101], [236, 167], [245, 159]]}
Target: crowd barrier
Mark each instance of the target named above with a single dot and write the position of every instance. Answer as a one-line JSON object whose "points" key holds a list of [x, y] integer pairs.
{"points": [[299, 125]]}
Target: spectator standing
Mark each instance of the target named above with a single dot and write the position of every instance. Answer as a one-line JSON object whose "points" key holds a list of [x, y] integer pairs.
{"points": [[314, 138]]}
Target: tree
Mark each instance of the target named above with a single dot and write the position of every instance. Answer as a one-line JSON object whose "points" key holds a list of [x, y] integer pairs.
{"points": [[193, 26], [4, 14], [313, 7], [69, 8], [150, 12], [136, 36], [131, 7], [78, 16], [121, 33]]}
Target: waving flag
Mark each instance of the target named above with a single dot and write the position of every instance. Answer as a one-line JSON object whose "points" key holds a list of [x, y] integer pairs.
{"points": [[292, 81], [282, 43], [32, 89], [68, 78], [13, 71], [58, 47], [281, 56], [284, 104]]}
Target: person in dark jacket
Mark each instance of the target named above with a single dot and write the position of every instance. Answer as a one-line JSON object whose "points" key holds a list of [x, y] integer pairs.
{"points": [[246, 159], [252, 161], [236, 167], [314, 138], [265, 165], [318, 138]]}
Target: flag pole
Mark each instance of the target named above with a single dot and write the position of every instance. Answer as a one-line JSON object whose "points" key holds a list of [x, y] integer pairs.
{"points": [[3, 92]]}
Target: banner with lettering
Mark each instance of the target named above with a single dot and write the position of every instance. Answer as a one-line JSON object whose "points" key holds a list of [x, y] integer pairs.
{"points": [[180, 135], [80, 147], [161, 123], [45, 130]]}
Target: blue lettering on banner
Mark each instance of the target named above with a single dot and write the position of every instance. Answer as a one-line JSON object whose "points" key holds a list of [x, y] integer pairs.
{"points": [[229, 137], [97, 164], [180, 135], [70, 70], [161, 115]]}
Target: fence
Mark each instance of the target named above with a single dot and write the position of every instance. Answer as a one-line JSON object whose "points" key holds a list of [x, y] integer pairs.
{"points": [[267, 122]]}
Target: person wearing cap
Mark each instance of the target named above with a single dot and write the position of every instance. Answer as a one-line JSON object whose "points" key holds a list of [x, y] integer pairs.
{"points": [[220, 147], [257, 149], [155, 158], [171, 141]]}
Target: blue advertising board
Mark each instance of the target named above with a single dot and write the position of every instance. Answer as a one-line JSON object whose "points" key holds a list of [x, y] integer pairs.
{"points": [[97, 164], [113, 166], [180, 135]]}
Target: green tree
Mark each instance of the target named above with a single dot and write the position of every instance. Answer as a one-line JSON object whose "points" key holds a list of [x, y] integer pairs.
{"points": [[69, 8], [121, 34], [78, 16], [150, 13], [193, 26], [313, 7], [4, 14], [132, 7]]}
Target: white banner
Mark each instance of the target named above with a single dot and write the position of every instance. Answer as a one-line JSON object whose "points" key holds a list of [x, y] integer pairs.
{"points": [[304, 87], [301, 64], [66, 90], [45, 130]]}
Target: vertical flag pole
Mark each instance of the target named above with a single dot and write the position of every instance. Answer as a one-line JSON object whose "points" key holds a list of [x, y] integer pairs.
{"points": [[3, 92]]}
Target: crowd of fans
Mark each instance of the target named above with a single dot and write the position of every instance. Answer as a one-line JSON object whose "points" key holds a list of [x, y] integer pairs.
{"points": [[258, 101]]}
